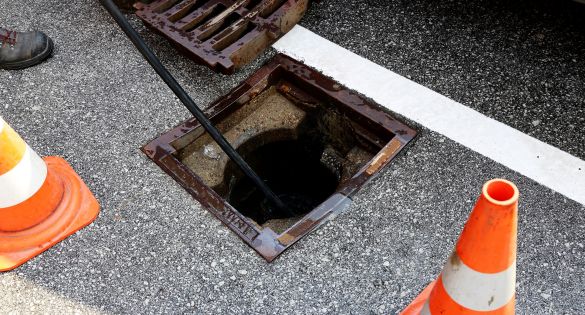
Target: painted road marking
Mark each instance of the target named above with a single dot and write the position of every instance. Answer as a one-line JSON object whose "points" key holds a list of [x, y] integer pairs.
{"points": [[522, 153]]}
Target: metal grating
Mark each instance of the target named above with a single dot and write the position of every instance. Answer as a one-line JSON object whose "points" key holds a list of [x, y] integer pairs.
{"points": [[222, 34]]}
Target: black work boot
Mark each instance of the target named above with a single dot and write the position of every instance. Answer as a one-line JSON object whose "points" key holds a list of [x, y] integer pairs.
{"points": [[21, 50]]}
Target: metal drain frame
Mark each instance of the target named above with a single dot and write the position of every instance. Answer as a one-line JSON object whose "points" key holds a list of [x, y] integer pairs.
{"points": [[197, 27], [265, 241]]}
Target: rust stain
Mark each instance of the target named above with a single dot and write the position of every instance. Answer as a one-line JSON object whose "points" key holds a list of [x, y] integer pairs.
{"points": [[381, 158], [455, 261], [286, 239]]}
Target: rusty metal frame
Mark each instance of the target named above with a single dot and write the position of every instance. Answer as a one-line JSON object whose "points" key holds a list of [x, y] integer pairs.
{"points": [[302, 84], [223, 34]]}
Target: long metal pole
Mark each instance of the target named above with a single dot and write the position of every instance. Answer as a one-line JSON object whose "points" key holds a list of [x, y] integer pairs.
{"points": [[188, 102]]}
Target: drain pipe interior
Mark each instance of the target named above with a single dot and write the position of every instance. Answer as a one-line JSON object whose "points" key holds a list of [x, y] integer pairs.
{"points": [[191, 106]]}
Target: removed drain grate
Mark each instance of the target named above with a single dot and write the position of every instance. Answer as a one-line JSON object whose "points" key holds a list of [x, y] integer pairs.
{"points": [[314, 142], [223, 34]]}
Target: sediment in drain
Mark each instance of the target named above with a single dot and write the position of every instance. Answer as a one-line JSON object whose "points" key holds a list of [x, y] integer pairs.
{"points": [[268, 114], [302, 153]]}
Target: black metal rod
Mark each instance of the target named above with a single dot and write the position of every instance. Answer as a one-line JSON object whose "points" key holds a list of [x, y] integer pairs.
{"points": [[188, 102]]}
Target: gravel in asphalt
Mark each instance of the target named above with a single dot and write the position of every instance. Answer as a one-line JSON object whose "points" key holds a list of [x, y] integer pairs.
{"points": [[520, 62], [153, 249]]}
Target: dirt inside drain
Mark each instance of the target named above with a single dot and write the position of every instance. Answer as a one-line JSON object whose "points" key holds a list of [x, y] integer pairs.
{"points": [[314, 142], [302, 153]]}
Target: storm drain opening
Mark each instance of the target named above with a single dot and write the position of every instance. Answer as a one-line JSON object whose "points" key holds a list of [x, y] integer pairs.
{"points": [[313, 142], [222, 34], [294, 172]]}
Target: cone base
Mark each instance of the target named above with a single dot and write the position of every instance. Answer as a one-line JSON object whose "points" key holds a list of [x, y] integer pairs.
{"points": [[77, 209], [417, 304]]}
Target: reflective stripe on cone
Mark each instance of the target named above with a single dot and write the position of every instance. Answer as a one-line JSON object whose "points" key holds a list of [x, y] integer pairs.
{"points": [[480, 276], [42, 201], [27, 194]]}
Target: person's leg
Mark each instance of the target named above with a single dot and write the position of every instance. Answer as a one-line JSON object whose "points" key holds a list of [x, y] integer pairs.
{"points": [[20, 50]]}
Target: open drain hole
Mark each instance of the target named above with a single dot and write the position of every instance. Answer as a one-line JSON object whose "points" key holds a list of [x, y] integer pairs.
{"points": [[296, 174], [313, 141], [303, 150]]}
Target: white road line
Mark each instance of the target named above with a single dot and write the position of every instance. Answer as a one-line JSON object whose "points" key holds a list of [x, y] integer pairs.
{"points": [[528, 156]]}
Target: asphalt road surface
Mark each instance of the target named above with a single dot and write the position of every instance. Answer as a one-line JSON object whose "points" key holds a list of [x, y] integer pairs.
{"points": [[154, 249]]}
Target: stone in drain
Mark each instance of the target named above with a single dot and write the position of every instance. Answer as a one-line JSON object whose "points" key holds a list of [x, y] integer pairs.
{"points": [[211, 152]]}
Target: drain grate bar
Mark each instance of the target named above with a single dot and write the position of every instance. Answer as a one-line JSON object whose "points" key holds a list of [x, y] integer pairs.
{"points": [[223, 34]]}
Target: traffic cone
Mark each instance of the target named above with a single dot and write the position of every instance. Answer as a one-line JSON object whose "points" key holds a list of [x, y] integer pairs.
{"points": [[42, 201], [480, 276]]}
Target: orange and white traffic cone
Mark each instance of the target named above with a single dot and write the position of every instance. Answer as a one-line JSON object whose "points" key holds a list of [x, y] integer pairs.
{"points": [[480, 275], [42, 201]]}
